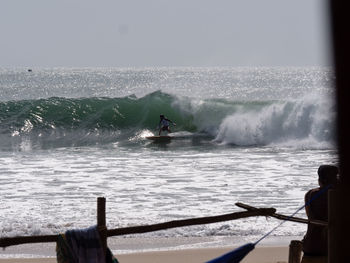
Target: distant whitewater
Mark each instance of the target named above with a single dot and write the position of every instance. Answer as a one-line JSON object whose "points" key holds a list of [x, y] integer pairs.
{"points": [[251, 135]]}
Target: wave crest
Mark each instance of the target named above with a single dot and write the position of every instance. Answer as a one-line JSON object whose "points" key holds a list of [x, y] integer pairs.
{"points": [[62, 121], [304, 122]]}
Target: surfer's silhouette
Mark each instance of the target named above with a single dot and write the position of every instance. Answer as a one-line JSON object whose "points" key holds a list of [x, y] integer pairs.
{"points": [[315, 242], [164, 124]]}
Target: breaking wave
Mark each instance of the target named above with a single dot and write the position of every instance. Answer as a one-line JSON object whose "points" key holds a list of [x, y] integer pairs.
{"points": [[57, 121]]}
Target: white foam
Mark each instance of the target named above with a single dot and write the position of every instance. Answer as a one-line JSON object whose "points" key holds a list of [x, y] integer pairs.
{"points": [[302, 123]]}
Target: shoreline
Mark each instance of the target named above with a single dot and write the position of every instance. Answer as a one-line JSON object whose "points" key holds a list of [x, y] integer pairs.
{"points": [[154, 249], [200, 255]]}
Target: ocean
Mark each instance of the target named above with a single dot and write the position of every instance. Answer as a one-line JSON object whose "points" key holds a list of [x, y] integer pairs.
{"points": [[250, 135]]}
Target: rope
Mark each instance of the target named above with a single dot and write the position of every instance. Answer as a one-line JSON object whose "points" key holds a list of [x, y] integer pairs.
{"points": [[300, 208]]}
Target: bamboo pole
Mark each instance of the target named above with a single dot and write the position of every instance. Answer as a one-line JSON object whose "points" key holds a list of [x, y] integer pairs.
{"points": [[287, 218]]}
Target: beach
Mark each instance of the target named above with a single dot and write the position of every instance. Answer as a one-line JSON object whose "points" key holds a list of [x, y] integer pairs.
{"points": [[258, 255], [144, 249]]}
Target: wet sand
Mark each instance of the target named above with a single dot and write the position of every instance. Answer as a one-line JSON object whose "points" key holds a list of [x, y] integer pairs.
{"points": [[159, 250], [258, 255]]}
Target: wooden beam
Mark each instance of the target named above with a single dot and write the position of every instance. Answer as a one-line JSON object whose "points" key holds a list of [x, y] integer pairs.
{"points": [[339, 232], [284, 217], [189, 222], [10, 241]]}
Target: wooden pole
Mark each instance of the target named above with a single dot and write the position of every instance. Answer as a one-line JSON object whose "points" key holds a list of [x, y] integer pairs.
{"points": [[286, 218], [12, 241], [190, 222], [333, 221], [104, 232], [295, 249], [101, 222], [339, 233]]}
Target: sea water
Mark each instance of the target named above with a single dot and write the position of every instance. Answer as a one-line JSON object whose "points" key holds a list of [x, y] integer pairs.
{"points": [[251, 135]]}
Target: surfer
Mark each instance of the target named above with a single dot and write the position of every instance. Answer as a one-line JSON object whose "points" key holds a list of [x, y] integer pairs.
{"points": [[164, 124]]}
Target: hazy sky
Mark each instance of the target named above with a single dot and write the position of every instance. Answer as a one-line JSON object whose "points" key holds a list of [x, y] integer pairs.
{"points": [[131, 33]]}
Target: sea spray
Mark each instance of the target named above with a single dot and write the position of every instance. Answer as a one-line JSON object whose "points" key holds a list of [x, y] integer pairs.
{"points": [[309, 120]]}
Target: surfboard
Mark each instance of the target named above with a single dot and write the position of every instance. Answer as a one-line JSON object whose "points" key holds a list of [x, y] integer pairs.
{"points": [[159, 138]]}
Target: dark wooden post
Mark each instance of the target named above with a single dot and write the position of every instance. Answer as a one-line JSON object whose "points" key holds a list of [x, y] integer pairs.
{"points": [[332, 223], [101, 221], [295, 248], [339, 232]]}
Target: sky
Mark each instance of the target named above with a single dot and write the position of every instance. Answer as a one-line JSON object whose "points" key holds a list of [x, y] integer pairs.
{"points": [[162, 33]]}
